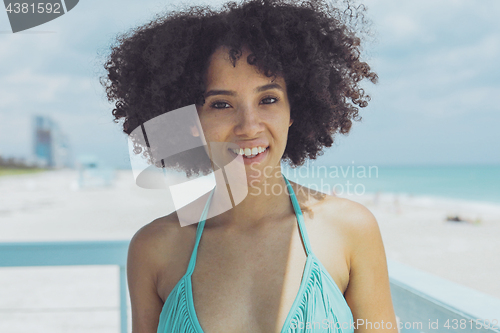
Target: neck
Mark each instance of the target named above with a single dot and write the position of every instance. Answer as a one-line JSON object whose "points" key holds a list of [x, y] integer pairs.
{"points": [[267, 197]]}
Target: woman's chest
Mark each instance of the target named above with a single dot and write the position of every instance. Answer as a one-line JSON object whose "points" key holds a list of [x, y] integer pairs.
{"points": [[252, 287]]}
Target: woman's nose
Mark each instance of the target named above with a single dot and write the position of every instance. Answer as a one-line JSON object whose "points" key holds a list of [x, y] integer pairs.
{"points": [[249, 122]]}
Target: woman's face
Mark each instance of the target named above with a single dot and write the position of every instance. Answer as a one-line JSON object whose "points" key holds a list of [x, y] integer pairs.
{"points": [[246, 110]]}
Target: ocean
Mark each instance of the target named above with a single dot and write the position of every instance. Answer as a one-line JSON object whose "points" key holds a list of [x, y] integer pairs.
{"points": [[469, 182]]}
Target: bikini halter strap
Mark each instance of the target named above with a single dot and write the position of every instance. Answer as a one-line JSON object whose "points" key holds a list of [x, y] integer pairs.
{"points": [[300, 218], [199, 231]]}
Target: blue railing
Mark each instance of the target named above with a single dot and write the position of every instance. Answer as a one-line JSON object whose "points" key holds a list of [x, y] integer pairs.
{"points": [[69, 254], [423, 302]]}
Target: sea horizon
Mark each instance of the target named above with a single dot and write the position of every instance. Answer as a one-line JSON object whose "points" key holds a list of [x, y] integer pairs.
{"points": [[480, 182]]}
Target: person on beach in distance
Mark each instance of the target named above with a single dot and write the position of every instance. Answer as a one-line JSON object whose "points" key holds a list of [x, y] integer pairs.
{"points": [[282, 77]]}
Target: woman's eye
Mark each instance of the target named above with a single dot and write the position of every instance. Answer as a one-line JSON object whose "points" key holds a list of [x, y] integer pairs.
{"points": [[220, 105], [269, 100]]}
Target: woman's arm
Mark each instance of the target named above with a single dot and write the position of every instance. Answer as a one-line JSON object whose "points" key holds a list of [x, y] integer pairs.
{"points": [[142, 268], [368, 293]]}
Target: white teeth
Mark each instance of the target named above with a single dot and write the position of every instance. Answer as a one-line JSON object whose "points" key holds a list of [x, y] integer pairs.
{"points": [[249, 152]]}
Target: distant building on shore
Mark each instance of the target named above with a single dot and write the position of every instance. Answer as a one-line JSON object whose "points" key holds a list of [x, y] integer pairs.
{"points": [[51, 146]]}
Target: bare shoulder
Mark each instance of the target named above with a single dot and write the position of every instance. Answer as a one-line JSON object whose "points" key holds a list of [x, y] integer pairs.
{"points": [[357, 222], [159, 234], [352, 220], [157, 247], [351, 214], [151, 269]]}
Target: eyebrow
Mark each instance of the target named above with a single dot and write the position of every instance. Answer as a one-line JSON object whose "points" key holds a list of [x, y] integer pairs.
{"points": [[233, 93], [269, 87]]}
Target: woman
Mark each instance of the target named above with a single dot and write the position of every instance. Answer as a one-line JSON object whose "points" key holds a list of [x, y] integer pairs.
{"points": [[276, 79]]}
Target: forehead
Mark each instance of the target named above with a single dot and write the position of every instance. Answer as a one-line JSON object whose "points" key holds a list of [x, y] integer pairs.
{"points": [[221, 71]]}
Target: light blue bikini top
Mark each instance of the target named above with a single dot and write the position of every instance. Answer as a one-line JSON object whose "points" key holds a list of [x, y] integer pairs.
{"points": [[318, 307]]}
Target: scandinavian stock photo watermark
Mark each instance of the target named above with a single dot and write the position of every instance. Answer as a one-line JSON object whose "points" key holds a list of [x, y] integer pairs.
{"points": [[449, 324], [338, 180]]}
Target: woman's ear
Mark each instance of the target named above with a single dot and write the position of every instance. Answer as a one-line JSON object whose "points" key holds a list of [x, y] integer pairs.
{"points": [[194, 131]]}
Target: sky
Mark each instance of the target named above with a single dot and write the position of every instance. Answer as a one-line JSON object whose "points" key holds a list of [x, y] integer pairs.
{"points": [[435, 103]]}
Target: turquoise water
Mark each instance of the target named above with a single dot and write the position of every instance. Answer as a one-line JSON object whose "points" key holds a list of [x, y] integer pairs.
{"points": [[471, 182]]}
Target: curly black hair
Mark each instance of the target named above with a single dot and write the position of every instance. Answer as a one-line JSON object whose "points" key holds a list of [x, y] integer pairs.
{"points": [[314, 46]]}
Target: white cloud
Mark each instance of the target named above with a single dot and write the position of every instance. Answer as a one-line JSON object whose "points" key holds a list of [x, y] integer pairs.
{"points": [[25, 87]]}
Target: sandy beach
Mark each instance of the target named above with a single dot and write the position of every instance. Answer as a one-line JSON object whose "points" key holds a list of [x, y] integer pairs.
{"points": [[416, 233], [50, 207]]}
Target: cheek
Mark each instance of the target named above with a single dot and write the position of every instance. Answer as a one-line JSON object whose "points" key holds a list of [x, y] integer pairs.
{"points": [[214, 136], [213, 129], [284, 123]]}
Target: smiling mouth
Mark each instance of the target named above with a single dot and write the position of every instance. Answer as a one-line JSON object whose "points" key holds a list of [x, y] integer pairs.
{"points": [[249, 152]]}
